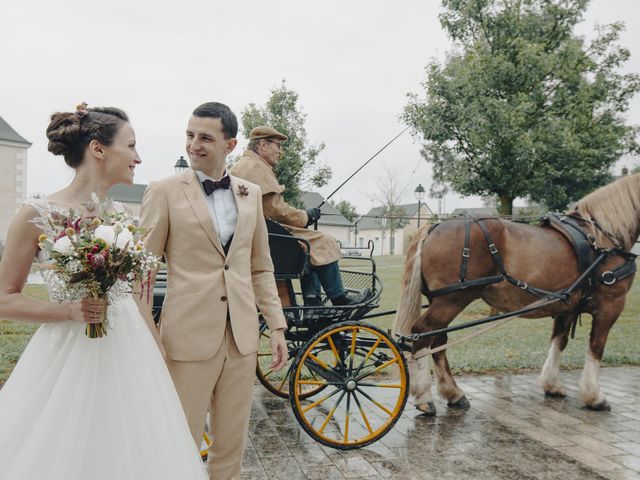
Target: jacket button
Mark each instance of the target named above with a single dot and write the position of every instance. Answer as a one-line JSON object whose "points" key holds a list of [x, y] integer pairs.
{"points": [[226, 267], [223, 298]]}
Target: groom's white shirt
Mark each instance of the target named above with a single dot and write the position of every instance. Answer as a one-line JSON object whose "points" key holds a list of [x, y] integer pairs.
{"points": [[222, 208]]}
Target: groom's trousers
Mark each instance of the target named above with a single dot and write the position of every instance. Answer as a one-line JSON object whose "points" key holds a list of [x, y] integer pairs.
{"points": [[223, 385]]}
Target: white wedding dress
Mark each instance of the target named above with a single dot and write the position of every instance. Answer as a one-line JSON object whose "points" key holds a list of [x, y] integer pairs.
{"points": [[77, 408]]}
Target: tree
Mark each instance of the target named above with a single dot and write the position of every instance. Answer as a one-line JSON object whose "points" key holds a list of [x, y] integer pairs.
{"points": [[439, 190], [345, 208], [298, 165], [523, 107], [389, 195]]}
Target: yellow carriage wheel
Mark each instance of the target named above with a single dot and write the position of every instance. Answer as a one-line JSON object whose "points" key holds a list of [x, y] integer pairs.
{"points": [[365, 385], [278, 382], [204, 447]]}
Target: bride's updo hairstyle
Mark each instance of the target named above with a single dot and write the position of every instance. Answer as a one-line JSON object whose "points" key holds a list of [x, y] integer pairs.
{"points": [[69, 133]]}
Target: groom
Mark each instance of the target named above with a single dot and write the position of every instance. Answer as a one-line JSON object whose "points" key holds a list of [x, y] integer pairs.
{"points": [[210, 228]]}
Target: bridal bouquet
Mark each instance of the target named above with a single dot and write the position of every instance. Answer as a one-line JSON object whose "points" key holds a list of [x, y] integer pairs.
{"points": [[91, 253]]}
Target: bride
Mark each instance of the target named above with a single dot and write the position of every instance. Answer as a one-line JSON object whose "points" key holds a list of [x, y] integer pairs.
{"points": [[78, 407]]}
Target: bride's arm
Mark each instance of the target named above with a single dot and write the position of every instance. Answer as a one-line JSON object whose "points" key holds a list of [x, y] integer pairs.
{"points": [[20, 250]]}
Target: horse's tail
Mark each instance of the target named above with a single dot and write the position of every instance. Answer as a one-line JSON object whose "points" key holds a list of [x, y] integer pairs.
{"points": [[410, 294]]}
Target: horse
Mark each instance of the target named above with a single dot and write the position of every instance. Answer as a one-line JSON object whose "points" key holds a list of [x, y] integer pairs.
{"points": [[531, 256]]}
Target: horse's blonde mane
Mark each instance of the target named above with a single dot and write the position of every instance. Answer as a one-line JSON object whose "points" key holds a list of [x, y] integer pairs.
{"points": [[616, 208]]}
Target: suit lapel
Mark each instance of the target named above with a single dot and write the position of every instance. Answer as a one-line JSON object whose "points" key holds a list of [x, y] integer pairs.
{"points": [[195, 196], [242, 204]]}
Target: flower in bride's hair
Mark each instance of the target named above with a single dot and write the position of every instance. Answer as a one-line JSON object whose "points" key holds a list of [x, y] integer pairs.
{"points": [[81, 109], [63, 246]]}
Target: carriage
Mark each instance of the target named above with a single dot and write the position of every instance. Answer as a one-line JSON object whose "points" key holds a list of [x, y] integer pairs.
{"points": [[348, 380]]}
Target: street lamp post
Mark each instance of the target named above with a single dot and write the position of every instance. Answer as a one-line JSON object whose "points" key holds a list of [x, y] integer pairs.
{"points": [[181, 165], [419, 193]]}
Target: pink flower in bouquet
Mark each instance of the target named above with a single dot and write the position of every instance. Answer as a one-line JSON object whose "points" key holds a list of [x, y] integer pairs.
{"points": [[97, 260]]}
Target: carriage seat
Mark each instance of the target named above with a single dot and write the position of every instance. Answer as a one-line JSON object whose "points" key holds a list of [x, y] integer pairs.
{"points": [[290, 256]]}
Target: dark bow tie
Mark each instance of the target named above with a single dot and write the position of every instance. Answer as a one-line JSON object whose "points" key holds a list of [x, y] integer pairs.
{"points": [[212, 185]]}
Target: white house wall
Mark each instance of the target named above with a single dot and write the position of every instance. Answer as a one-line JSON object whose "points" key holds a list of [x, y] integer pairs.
{"points": [[13, 183], [339, 233], [381, 241]]}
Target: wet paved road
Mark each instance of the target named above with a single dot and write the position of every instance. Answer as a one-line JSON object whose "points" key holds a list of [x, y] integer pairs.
{"points": [[511, 431]]}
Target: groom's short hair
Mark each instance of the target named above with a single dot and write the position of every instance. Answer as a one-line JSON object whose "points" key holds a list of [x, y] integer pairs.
{"points": [[224, 113]]}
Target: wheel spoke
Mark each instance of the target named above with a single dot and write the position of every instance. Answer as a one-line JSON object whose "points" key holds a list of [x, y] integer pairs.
{"points": [[318, 402], [354, 334], [319, 362], [334, 350], [346, 419], [325, 373], [314, 382], [376, 403], [362, 414], [333, 410], [375, 345], [380, 367], [381, 385], [285, 377]]}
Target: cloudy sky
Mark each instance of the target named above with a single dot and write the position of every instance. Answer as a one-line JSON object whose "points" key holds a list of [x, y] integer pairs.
{"points": [[352, 63]]}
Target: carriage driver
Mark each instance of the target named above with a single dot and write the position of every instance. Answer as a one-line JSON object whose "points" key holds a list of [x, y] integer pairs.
{"points": [[256, 165]]}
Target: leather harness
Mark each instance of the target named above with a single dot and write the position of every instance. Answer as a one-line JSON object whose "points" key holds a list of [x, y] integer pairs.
{"points": [[584, 246]]}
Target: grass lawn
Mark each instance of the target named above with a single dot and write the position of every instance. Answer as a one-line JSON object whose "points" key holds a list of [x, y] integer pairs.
{"points": [[520, 344], [15, 335]]}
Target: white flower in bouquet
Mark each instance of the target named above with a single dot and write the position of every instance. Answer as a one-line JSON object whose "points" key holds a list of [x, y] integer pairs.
{"points": [[63, 246], [74, 266], [106, 233], [113, 236], [124, 237]]}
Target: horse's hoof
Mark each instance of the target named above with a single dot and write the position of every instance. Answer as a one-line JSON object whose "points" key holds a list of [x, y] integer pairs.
{"points": [[558, 394], [461, 403], [427, 409], [602, 406]]}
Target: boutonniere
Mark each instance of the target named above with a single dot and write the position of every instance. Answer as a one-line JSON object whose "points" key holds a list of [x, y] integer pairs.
{"points": [[243, 191]]}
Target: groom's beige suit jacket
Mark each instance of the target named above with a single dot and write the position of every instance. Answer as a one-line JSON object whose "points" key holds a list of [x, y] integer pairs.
{"points": [[204, 283]]}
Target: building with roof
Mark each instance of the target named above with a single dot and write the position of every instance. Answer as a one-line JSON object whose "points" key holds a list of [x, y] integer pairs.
{"points": [[13, 181], [332, 221], [130, 195], [373, 226]]}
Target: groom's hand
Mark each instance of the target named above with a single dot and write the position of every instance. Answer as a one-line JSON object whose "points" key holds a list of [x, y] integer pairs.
{"points": [[279, 350]]}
